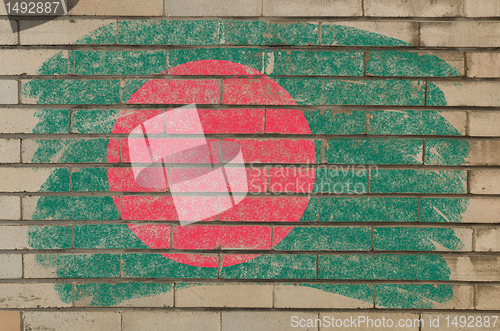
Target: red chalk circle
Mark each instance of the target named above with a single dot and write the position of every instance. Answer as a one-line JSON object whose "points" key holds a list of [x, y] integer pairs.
{"points": [[256, 89]]}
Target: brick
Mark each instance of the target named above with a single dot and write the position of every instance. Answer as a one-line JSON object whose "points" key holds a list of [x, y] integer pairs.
{"points": [[10, 150], [222, 237], [483, 65], [61, 32], [451, 321], [12, 266], [370, 151], [61, 91], [311, 8], [415, 64], [158, 266], [277, 150], [250, 57], [382, 33], [275, 209], [34, 180], [7, 37], [419, 181], [368, 92], [422, 239], [482, 8], [417, 122], [177, 92], [64, 150], [335, 181], [460, 34], [8, 92], [10, 320], [462, 152], [477, 94], [131, 294], [484, 181], [72, 321], [368, 321], [175, 321], [368, 209], [83, 208], [224, 295], [218, 8], [72, 266], [323, 239], [168, 32], [20, 237], [483, 124], [265, 91], [45, 121], [487, 296], [263, 321], [10, 207], [314, 63], [262, 33], [34, 62], [477, 268], [270, 267], [323, 296], [380, 266], [418, 8], [118, 236], [486, 240], [33, 295], [116, 8], [117, 62], [470, 210], [319, 121]]}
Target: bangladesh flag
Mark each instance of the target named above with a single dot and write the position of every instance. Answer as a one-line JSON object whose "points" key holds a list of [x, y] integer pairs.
{"points": [[318, 213]]}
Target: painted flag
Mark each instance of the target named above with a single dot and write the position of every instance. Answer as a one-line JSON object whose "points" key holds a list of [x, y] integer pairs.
{"points": [[282, 230]]}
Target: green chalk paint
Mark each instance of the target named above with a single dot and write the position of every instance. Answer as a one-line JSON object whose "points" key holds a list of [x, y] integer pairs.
{"points": [[168, 32], [419, 181], [365, 209], [79, 208], [52, 121], [408, 64], [58, 181], [273, 267], [446, 151], [70, 151], [326, 239], [50, 237], [117, 63], [82, 265], [234, 32], [62, 91], [157, 266], [93, 121], [409, 122], [332, 34], [336, 122], [412, 296], [89, 180], [415, 239], [106, 236], [442, 210]]}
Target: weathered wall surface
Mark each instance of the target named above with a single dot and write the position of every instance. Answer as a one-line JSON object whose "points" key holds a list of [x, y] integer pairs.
{"points": [[371, 139]]}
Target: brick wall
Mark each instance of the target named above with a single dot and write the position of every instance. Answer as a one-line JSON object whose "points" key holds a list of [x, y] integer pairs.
{"points": [[369, 130]]}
